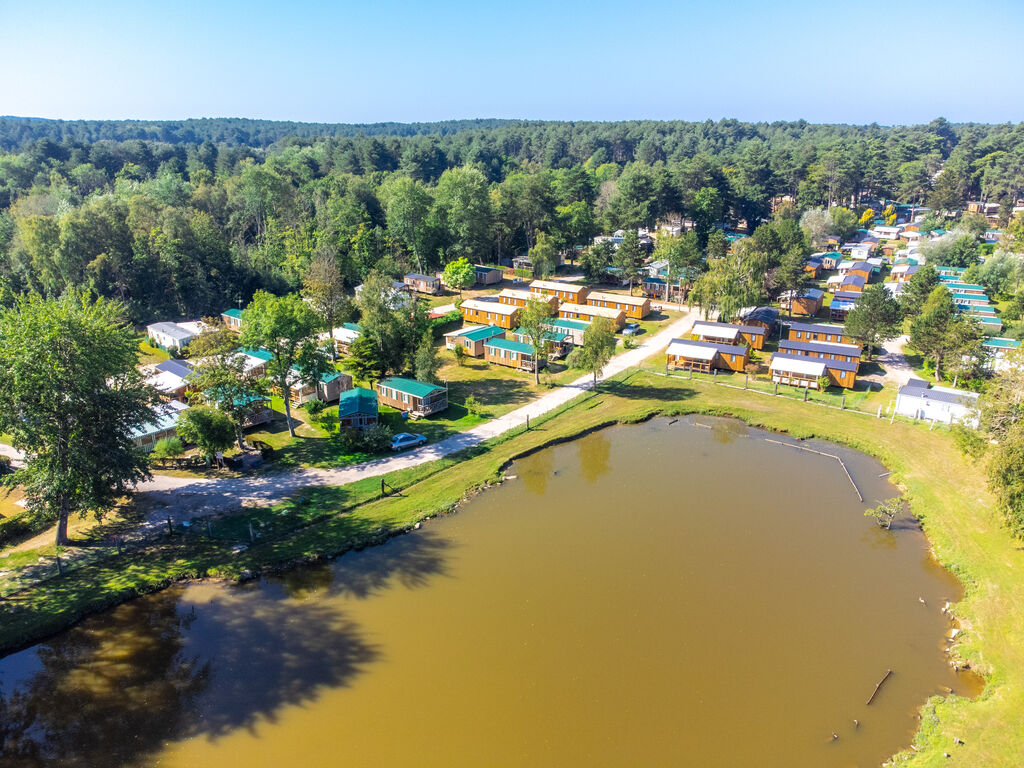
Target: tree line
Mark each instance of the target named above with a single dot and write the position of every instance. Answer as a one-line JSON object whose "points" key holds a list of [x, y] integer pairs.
{"points": [[189, 224]]}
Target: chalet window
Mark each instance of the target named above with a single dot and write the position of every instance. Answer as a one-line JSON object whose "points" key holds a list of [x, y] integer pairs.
{"points": [[405, 398]]}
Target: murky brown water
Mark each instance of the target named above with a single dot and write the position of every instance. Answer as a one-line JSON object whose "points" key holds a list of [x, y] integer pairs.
{"points": [[663, 594]]}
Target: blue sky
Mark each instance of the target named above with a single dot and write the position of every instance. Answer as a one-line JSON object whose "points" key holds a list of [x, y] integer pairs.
{"points": [[894, 62]]}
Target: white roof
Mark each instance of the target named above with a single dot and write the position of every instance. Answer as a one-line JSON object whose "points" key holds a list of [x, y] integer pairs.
{"points": [[165, 381], [715, 331], [622, 299], [807, 367], [696, 351], [345, 335], [846, 264], [489, 306], [462, 330], [552, 285], [593, 311], [516, 293], [176, 331], [835, 279]]}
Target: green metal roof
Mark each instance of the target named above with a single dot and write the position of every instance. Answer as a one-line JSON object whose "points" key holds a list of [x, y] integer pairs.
{"points": [[410, 386], [512, 346], [482, 333], [352, 327], [233, 313], [549, 335], [1003, 343], [576, 325], [260, 354], [358, 400]]}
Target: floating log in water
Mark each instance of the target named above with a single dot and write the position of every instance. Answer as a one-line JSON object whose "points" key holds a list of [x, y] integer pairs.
{"points": [[875, 692], [822, 453]]}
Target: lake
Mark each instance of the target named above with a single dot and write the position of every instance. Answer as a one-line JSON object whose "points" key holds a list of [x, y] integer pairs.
{"points": [[675, 592]]}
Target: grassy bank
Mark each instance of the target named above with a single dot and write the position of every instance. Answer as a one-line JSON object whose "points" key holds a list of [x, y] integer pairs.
{"points": [[946, 491]]}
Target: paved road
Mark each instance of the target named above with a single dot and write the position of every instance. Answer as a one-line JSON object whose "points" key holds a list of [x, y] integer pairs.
{"points": [[182, 498]]}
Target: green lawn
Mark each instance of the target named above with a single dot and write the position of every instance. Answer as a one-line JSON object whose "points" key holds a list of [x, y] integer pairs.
{"points": [[149, 355]]}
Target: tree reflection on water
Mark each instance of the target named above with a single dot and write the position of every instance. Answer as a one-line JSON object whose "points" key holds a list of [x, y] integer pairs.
{"points": [[114, 689]]}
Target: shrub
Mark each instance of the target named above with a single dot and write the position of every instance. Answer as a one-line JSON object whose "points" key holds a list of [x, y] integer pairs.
{"points": [[168, 448], [472, 405]]}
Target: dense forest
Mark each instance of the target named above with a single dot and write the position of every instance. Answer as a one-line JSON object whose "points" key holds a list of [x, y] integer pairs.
{"points": [[184, 218]]}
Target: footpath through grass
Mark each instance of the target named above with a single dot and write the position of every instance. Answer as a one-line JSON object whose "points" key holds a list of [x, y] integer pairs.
{"points": [[946, 492]]}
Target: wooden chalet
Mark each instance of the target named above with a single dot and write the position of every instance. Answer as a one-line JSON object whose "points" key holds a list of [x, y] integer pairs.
{"points": [[659, 288], [481, 312], [635, 307], [487, 275], [232, 318], [344, 335], [571, 311], [571, 292], [574, 329], [726, 333], [803, 371], [429, 284], [170, 379], [766, 317], [814, 268], [842, 304], [513, 354], [327, 388], [819, 332], [557, 344], [472, 338], [852, 284], [358, 409], [705, 356], [901, 273], [807, 303], [518, 298], [849, 353], [415, 397]]}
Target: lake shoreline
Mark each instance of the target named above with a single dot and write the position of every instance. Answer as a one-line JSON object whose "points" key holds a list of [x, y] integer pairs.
{"points": [[491, 464]]}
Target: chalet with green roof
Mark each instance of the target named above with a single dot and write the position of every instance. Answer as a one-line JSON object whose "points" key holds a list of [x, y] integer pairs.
{"points": [[557, 344], [472, 338], [572, 328], [232, 318], [512, 354], [358, 409], [418, 398]]}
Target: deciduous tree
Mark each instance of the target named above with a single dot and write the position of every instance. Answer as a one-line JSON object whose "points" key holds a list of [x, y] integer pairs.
{"points": [[287, 328], [71, 397]]}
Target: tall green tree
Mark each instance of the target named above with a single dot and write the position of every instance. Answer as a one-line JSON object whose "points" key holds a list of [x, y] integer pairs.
{"points": [[919, 287], [875, 319], [790, 276], [940, 331], [629, 257], [208, 428], [287, 328], [426, 361], [71, 396], [598, 348], [324, 288], [596, 259], [543, 256], [459, 274], [533, 323], [221, 378]]}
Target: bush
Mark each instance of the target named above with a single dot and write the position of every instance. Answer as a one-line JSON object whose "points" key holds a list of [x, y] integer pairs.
{"points": [[5, 464], [472, 405], [168, 448], [375, 439], [314, 408]]}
